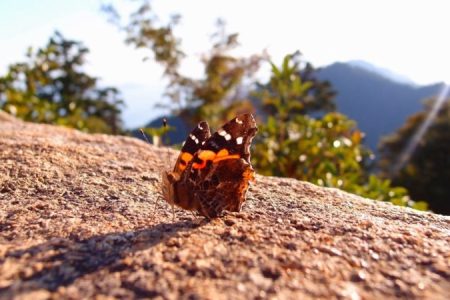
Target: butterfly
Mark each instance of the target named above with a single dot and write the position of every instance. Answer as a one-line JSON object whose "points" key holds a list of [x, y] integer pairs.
{"points": [[213, 172]]}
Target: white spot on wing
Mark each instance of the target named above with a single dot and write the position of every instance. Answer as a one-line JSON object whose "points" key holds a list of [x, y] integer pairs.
{"points": [[227, 137], [239, 140], [194, 138], [200, 126], [238, 121], [222, 132]]}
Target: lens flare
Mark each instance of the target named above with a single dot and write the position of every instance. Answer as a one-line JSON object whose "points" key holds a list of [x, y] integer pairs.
{"points": [[417, 137]]}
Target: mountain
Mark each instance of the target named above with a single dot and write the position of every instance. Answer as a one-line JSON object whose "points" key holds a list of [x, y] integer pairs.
{"points": [[371, 96], [399, 78], [379, 100], [175, 136]]}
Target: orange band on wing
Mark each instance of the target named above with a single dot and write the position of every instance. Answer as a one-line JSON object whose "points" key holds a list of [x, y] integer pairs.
{"points": [[184, 159], [233, 156], [199, 166], [206, 155], [223, 152]]}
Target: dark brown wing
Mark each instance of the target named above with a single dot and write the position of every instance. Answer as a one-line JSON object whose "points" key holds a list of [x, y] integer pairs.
{"points": [[217, 179], [198, 136], [224, 187], [235, 136]]}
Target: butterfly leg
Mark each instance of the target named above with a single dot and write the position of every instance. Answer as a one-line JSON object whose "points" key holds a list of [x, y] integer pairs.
{"points": [[156, 205], [173, 213], [197, 218]]}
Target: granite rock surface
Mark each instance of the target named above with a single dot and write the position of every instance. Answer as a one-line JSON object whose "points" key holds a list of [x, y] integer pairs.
{"points": [[81, 217]]}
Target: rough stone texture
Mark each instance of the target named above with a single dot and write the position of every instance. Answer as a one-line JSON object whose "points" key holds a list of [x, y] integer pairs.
{"points": [[80, 218]]}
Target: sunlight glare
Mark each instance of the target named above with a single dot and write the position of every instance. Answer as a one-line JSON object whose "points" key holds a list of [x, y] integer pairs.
{"points": [[417, 137]]}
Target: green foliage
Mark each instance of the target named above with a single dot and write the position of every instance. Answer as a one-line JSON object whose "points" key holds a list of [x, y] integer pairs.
{"points": [[382, 190], [144, 32], [217, 97], [158, 134], [426, 173], [326, 151], [50, 87], [292, 90]]}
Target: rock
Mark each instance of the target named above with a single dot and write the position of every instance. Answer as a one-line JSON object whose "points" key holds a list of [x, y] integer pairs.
{"points": [[81, 217]]}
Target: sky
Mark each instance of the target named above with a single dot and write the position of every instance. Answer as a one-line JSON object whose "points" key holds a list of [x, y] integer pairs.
{"points": [[410, 38]]}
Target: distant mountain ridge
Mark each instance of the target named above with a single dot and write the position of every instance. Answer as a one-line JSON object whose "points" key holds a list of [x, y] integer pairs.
{"points": [[379, 100], [388, 74], [379, 104]]}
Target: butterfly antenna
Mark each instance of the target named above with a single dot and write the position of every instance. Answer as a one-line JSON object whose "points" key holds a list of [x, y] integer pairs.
{"points": [[169, 159], [148, 141], [169, 156], [144, 135]]}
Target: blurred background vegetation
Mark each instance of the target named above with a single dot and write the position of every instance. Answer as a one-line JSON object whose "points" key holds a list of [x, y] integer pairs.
{"points": [[301, 135], [50, 86]]}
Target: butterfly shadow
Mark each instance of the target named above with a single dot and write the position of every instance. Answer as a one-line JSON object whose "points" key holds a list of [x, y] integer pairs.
{"points": [[60, 261]]}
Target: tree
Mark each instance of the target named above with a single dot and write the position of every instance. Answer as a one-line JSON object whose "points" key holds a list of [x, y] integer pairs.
{"points": [[293, 89], [51, 87], [326, 150], [144, 30], [219, 94], [299, 135], [426, 173]]}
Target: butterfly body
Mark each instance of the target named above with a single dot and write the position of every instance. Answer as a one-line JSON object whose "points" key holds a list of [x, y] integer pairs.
{"points": [[212, 173]]}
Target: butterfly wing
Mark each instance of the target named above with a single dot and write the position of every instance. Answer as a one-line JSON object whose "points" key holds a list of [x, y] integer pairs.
{"points": [[194, 141], [222, 186], [198, 136], [232, 140], [218, 176]]}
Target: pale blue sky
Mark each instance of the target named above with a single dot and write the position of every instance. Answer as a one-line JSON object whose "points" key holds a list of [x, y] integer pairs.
{"points": [[407, 37]]}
